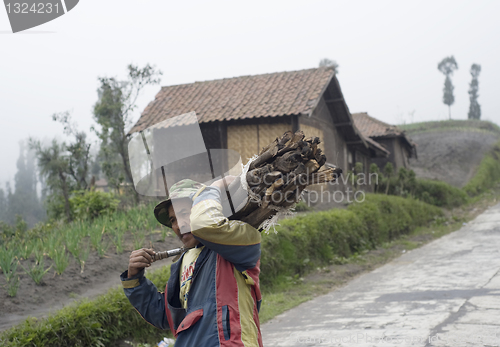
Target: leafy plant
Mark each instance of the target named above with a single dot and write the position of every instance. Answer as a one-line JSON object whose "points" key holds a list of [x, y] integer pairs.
{"points": [[83, 255], [61, 260], [92, 204], [7, 259], [26, 249], [36, 272], [13, 285]]}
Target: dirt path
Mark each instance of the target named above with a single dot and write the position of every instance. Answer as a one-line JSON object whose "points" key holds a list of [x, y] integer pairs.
{"points": [[58, 291]]}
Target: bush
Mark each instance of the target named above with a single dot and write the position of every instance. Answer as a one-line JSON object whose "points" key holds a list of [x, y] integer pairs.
{"points": [[91, 204], [439, 193], [302, 243], [305, 242], [487, 174], [97, 322]]}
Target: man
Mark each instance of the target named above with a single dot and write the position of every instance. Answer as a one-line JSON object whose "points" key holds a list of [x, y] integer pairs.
{"points": [[212, 297]]}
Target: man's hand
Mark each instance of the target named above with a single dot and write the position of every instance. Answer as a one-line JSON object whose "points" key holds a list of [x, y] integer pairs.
{"points": [[220, 183], [139, 259]]}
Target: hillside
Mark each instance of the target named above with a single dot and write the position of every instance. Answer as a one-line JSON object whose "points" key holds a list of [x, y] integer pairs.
{"points": [[451, 150]]}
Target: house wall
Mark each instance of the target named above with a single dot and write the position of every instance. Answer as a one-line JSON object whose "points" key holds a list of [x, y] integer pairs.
{"points": [[398, 154], [249, 139], [321, 124]]}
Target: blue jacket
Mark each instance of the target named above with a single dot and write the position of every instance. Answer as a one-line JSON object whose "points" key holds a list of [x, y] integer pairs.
{"points": [[224, 298]]}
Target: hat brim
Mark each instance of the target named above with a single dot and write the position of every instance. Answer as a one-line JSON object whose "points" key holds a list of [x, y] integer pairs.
{"points": [[161, 211]]}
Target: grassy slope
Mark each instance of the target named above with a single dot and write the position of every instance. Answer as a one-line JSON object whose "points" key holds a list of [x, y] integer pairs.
{"points": [[466, 125]]}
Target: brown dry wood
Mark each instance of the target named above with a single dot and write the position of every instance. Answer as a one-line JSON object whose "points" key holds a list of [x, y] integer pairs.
{"points": [[280, 173]]}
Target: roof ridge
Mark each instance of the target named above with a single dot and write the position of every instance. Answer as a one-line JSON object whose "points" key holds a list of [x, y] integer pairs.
{"points": [[246, 76], [376, 120]]}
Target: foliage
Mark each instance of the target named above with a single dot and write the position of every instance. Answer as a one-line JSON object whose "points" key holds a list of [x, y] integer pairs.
{"points": [[301, 244], [325, 62], [8, 261], [61, 260], [37, 271], [388, 176], [24, 200], [112, 113], [302, 206], [54, 166], [439, 193], [79, 151], [374, 169], [451, 125], [447, 66], [487, 174], [305, 242], [91, 204], [99, 322], [474, 108], [64, 167]]}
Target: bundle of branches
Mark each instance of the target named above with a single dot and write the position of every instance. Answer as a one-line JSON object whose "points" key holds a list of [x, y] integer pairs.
{"points": [[277, 176]]}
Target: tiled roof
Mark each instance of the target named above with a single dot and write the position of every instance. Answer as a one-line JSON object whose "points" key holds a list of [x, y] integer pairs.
{"points": [[372, 127], [268, 95], [377, 145]]}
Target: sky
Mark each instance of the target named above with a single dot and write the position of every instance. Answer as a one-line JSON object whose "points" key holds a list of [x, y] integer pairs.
{"points": [[387, 51]]}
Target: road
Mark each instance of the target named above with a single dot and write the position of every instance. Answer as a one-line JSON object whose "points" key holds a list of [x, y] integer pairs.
{"points": [[446, 293]]}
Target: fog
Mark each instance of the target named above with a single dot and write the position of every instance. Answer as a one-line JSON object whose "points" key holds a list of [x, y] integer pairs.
{"points": [[388, 53]]}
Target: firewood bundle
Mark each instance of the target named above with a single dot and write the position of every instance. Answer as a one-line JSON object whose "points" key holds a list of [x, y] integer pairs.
{"points": [[277, 176]]}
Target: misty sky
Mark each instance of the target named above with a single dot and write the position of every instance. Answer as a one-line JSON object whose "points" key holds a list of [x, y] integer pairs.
{"points": [[388, 53]]}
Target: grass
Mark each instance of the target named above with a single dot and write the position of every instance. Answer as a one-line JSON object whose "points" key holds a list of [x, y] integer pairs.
{"points": [[54, 238], [37, 271], [291, 292], [452, 125], [97, 322], [487, 174], [301, 245]]}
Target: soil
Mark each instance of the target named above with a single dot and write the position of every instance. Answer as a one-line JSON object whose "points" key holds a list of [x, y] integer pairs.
{"points": [[451, 156], [57, 291]]}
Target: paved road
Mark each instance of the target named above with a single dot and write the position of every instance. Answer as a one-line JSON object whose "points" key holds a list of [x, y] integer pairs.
{"points": [[446, 293]]}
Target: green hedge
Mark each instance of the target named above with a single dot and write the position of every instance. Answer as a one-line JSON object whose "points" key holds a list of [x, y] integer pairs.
{"points": [[439, 193], [305, 242], [487, 174], [302, 243], [97, 322]]}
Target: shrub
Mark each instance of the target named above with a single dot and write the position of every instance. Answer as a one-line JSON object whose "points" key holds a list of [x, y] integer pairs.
{"points": [[91, 204], [302, 243], [97, 322], [487, 174], [308, 241], [439, 193]]}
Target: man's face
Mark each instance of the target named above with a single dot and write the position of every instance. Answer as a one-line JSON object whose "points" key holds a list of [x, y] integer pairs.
{"points": [[180, 222]]}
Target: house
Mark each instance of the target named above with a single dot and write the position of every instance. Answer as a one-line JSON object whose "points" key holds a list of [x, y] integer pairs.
{"points": [[247, 113], [400, 146]]}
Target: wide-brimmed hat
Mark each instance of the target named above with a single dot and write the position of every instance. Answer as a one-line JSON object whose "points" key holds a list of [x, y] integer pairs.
{"points": [[181, 190]]}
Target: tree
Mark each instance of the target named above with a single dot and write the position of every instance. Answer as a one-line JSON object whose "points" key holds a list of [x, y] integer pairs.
{"points": [[325, 62], [388, 173], [474, 108], [3, 205], [24, 201], [79, 151], [447, 66], [54, 166], [63, 167], [374, 170], [112, 112]]}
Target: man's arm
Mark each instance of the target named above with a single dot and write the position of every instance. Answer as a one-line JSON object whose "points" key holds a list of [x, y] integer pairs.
{"points": [[235, 241], [141, 292]]}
